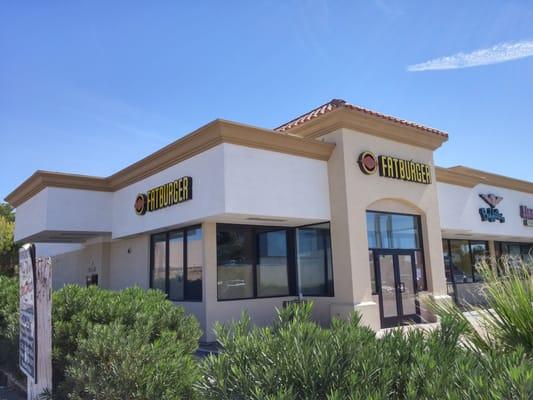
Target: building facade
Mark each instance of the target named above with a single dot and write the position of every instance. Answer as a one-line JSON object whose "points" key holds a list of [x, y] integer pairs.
{"points": [[342, 206]]}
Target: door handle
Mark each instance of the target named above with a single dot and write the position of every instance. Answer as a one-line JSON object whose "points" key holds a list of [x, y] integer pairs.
{"points": [[401, 287]]}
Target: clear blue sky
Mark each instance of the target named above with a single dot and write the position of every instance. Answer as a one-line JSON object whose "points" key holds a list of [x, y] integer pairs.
{"points": [[92, 86]]}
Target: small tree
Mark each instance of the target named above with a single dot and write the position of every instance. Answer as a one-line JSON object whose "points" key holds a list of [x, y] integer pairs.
{"points": [[8, 247]]}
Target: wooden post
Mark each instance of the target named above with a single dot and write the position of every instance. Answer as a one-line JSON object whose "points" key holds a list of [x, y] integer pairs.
{"points": [[43, 305]]}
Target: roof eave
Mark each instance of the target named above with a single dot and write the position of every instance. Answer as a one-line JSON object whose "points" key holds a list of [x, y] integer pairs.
{"points": [[204, 138]]}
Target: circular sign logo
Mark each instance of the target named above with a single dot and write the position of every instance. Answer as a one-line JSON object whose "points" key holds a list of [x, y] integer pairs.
{"points": [[368, 163], [140, 204]]}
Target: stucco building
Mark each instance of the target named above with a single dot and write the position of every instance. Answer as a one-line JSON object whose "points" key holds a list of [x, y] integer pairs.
{"points": [[343, 206]]}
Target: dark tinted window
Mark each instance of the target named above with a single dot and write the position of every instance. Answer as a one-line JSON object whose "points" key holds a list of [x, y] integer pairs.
{"points": [[314, 260], [235, 260], [392, 231], [177, 264]]}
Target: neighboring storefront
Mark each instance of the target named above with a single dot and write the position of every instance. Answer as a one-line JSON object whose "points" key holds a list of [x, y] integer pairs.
{"points": [[342, 206], [485, 218]]}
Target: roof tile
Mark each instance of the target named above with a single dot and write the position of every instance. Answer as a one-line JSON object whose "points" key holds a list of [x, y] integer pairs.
{"points": [[339, 103]]}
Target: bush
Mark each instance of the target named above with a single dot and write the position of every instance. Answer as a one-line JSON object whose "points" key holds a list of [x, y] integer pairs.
{"points": [[85, 317], [115, 363], [298, 359], [507, 320], [9, 322]]}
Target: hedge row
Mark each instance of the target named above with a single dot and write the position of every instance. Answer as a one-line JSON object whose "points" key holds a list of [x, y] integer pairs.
{"points": [[135, 344]]}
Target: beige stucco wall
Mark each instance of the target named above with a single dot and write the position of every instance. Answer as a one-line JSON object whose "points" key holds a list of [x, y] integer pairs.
{"points": [[130, 263], [352, 193], [73, 267]]}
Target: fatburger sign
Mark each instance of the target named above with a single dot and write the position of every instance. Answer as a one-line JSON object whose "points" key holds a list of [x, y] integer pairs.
{"points": [[394, 168], [166, 195]]}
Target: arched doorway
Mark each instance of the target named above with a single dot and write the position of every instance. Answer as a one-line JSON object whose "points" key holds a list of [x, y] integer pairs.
{"points": [[396, 260]]}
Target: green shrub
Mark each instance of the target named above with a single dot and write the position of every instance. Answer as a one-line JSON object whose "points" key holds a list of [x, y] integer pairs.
{"points": [[9, 322], [116, 363], [298, 359], [80, 315], [507, 320]]}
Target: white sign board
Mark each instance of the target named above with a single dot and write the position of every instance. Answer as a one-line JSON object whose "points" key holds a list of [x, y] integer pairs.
{"points": [[27, 339], [35, 339]]}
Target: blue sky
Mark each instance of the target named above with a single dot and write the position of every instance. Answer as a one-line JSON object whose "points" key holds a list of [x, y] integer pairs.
{"points": [[92, 86]]}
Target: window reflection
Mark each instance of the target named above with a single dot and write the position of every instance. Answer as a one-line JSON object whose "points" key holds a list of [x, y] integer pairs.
{"points": [[393, 231], [314, 260], [461, 257], [177, 263], [159, 262], [235, 263], [272, 267], [175, 266], [259, 261], [195, 262]]}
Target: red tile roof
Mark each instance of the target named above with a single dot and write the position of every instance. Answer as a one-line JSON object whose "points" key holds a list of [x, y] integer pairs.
{"points": [[338, 103]]}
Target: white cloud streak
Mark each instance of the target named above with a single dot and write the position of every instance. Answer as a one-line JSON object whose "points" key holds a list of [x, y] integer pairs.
{"points": [[499, 53]]}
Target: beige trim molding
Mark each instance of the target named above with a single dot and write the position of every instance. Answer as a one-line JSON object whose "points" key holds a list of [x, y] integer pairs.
{"points": [[469, 177], [214, 133], [41, 179], [371, 124]]}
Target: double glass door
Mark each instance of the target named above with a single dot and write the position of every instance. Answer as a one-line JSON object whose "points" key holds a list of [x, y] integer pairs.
{"points": [[395, 273]]}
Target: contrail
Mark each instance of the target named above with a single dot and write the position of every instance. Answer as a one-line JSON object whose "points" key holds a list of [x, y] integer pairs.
{"points": [[499, 53]]}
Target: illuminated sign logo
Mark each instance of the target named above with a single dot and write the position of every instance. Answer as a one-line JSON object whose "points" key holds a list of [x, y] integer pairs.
{"points": [[140, 204], [526, 214], [368, 163], [491, 214], [166, 195], [395, 168]]}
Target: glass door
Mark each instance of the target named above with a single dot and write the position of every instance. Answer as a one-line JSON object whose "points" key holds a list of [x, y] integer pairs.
{"points": [[397, 287], [406, 285]]}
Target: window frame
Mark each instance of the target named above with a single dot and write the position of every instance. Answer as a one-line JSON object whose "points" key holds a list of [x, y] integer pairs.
{"points": [[375, 290], [167, 263], [292, 258], [471, 254]]}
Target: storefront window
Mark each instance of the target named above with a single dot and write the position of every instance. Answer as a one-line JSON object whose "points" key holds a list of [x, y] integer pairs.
{"points": [[461, 257], [461, 261], [195, 262], [159, 254], [177, 263], [393, 231], [235, 261], [527, 252], [314, 260], [512, 253], [480, 252], [258, 261], [175, 266], [272, 266]]}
